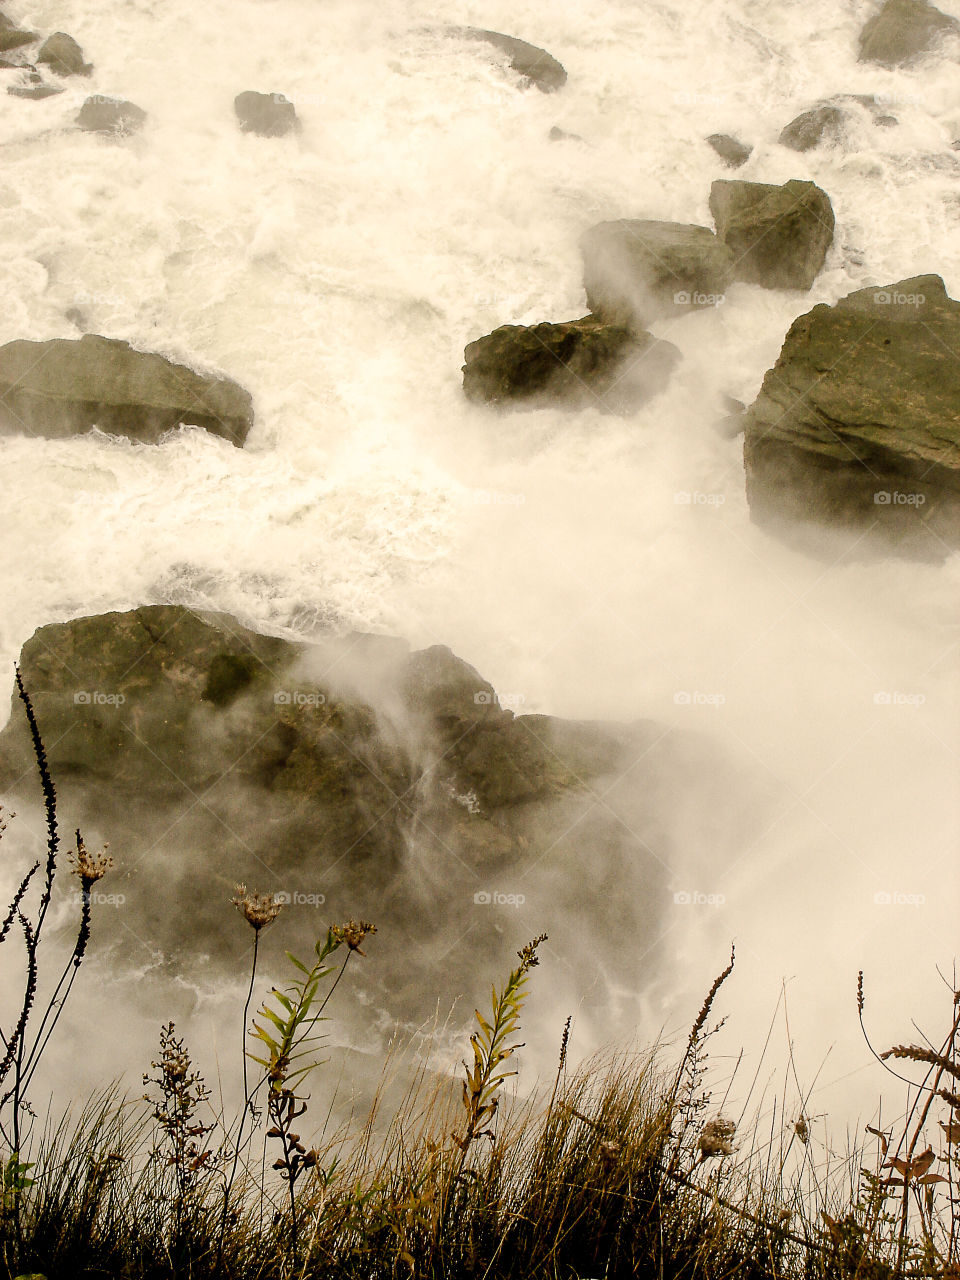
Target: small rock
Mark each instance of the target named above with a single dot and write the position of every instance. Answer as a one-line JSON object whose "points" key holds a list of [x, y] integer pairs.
{"points": [[12, 37], [560, 135], [730, 424], [731, 151], [811, 128], [903, 31], [574, 365], [535, 65], [64, 56], [779, 236], [270, 115], [110, 115]]}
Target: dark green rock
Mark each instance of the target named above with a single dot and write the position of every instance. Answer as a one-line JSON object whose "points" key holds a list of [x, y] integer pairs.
{"points": [[12, 36], [779, 236], [62, 387], [64, 56], [903, 31], [857, 426], [731, 151], [812, 128], [535, 65], [270, 115], [636, 272], [574, 365], [110, 115]]}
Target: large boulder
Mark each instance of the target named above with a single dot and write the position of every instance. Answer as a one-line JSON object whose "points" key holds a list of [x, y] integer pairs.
{"points": [[360, 779], [533, 64], [779, 236], [857, 426], [110, 115], [12, 36], [903, 31], [270, 115], [573, 365], [64, 56], [636, 272], [62, 387]]}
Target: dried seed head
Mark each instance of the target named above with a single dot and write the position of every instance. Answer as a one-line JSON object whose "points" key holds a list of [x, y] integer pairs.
{"points": [[528, 956], [87, 866], [258, 909], [717, 1137], [353, 933]]}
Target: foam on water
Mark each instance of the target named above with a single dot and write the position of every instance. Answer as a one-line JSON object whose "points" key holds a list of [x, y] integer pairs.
{"points": [[338, 274]]}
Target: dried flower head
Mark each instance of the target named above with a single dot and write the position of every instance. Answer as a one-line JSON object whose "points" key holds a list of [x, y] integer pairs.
{"points": [[88, 866], [528, 956], [353, 933], [717, 1137], [258, 909]]}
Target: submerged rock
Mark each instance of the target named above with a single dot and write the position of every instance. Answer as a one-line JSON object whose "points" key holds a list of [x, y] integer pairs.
{"points": [[62, 387], [731, 151], [779, 236], [903, 31], [824, 123], [270, 115], [12, 36], [535, 65], [36, 89], [857, 426], [360, 779], [635, 272], [64, 56], [574, 365], [110, 115]]}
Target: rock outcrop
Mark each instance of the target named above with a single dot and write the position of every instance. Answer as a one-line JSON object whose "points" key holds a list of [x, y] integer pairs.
{"points": [[731, 151], [574, 365], [857, 426], [903, 31], [12, 36], [64, 56], [779, 236], [362, 780], [110, 115], [533, 64], [62, 387], [270, 115], [829, 122], [636, 272]]}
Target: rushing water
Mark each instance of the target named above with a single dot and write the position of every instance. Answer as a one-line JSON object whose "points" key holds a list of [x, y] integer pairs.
{"points": [[338, 274]]}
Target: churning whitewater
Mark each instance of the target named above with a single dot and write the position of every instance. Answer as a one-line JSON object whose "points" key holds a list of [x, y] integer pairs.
{"points": [[587, 565]]}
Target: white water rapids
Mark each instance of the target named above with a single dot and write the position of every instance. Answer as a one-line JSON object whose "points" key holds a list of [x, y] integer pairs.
{"points": [[338, 274]]}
